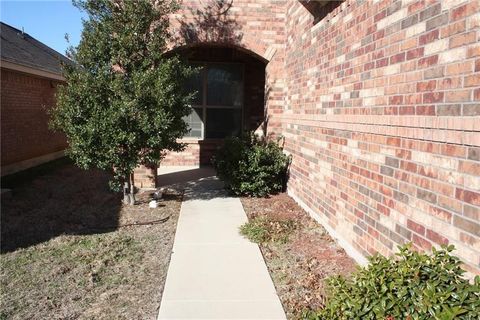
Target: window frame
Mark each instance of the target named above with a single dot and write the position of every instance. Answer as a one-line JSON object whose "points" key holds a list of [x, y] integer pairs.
{"points": [[204, 106]]}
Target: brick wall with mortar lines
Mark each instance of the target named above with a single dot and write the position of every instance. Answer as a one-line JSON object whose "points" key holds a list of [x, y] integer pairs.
{"points": [[382, 118], [145, 177], [24, 122]]}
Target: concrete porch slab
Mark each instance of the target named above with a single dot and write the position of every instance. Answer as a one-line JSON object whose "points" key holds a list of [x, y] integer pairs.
{"points": [[177, 175]]}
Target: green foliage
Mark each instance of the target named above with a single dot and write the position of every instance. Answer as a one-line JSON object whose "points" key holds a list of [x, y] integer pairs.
{"points": [[251, 166], [413, 286], [123, 101], [263, 229]]}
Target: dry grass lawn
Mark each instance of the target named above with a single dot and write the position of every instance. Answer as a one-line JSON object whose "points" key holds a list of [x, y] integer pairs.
{"points": [[70, 250]]}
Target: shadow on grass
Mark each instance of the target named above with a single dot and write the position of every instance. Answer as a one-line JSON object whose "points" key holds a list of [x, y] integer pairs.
{"points": [[56, 199]]}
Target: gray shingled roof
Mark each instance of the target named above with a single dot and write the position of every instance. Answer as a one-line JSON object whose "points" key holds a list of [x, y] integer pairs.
{"points": [[23, 49]]}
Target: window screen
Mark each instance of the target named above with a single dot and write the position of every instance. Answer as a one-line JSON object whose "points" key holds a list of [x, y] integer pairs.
{"points": [[195, 123]]}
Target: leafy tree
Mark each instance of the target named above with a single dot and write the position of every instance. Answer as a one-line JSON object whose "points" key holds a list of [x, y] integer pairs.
{"points": [[123, 101]]}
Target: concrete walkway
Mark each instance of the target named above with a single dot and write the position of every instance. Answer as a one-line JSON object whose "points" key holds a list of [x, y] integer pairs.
{"points": [[214, 272]]}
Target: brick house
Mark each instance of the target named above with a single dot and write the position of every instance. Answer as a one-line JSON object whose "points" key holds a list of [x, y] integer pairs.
{"points": [[30, 72], [378, 101]]}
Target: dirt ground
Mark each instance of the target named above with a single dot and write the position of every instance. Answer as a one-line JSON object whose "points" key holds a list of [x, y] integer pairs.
{"points": [[300, 266], [71, 250]]}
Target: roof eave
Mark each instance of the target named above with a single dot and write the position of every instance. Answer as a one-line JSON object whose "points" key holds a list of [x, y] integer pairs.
{"points": [[31, 70]]}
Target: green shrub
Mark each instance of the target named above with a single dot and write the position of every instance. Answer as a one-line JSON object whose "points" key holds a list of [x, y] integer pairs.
{"points": [[263, 229], [413, 286], [251, 166]]}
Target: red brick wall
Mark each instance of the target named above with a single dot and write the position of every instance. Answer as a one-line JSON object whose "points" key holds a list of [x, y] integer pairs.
{"points": [[197, 152], [188, 157], [379, 104], [24, 121], [382, 119]]}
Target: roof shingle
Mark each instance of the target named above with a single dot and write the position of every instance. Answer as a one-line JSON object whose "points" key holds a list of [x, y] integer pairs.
{"points": [[21, 48]]}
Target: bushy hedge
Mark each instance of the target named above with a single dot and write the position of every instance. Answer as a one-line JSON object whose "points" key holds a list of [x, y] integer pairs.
{"points": [[413, 286], [251, 165]]}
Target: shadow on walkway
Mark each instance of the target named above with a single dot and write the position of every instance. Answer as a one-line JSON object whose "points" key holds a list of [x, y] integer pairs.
{"points": [[168, 176], [199, 183]]}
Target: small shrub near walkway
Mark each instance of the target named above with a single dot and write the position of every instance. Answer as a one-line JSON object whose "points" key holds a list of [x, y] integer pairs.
{"points": [[410, 286], [252, 166]]}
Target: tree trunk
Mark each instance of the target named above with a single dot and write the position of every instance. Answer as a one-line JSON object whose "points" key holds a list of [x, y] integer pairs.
{"points": [[132, 189], [129, 191], [125, 192]]}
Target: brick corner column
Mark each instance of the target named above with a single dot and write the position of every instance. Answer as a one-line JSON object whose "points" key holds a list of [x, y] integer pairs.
{"points": [[145, 177]]}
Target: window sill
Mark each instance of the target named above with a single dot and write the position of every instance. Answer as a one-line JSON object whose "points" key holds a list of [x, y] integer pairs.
{"points": [[199, 140]]}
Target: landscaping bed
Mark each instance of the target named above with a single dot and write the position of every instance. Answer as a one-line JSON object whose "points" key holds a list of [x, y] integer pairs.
{"points": [[298, 251], [71, 250]]}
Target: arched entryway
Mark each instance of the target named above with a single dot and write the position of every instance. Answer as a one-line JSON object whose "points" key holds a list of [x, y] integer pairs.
{"points": [[230, 99]]}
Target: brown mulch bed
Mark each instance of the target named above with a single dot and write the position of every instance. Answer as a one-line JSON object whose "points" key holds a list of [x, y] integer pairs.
{"points": [[300, 266], [71, 250]]}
